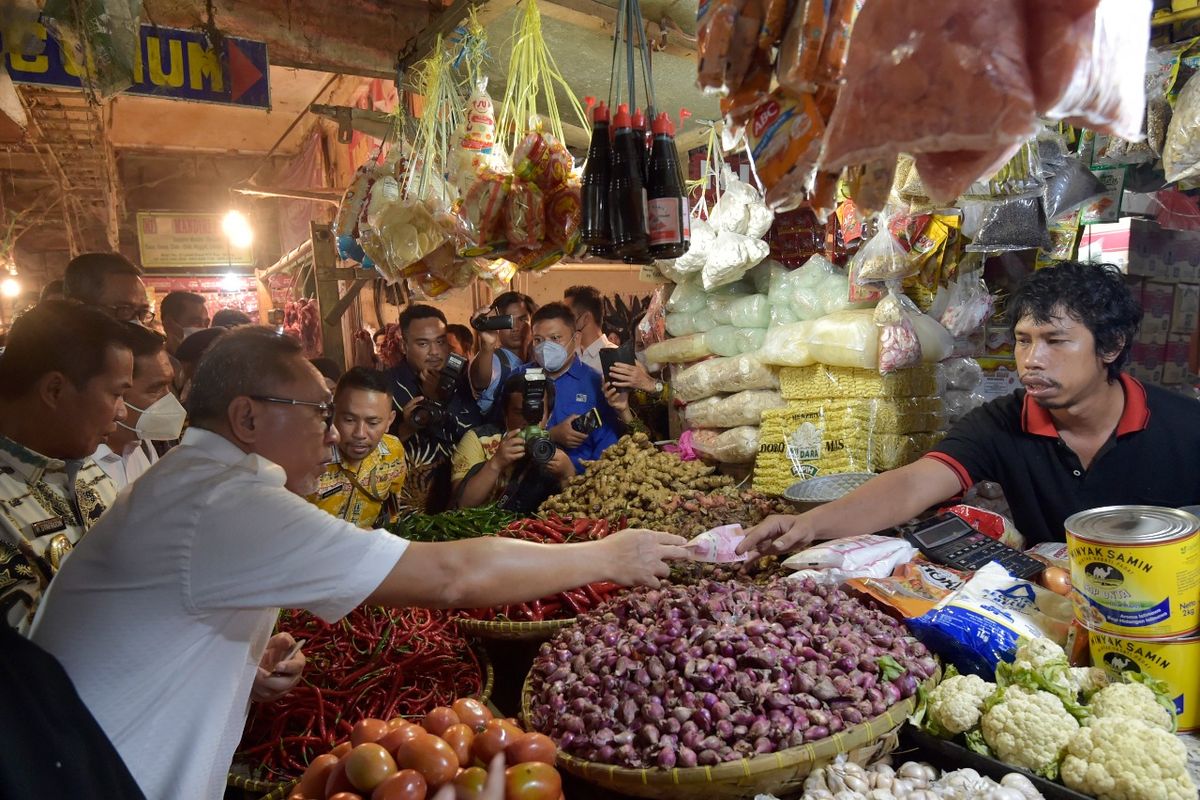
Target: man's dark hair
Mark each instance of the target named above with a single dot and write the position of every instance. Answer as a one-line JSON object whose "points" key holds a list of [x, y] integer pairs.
{"points": [[51, 291], [143, 342], [508, 298], [59, 336], [587, 298], [193, 347], [516, 385], [175, 304], [415, 312], [1094, 295], [555, 311], [230, 318], [86, 273], [328, 368], [462, 333], [365, 378], [247, 361]]}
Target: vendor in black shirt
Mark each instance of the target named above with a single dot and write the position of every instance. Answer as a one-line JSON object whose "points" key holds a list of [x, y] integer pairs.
{"points": [[1079, 435], [419, 387]]}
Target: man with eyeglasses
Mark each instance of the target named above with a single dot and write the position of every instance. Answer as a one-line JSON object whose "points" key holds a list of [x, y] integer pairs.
{"points": [[110, 282], [162, 616]]}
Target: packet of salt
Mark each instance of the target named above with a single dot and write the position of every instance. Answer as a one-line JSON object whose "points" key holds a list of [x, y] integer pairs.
{"points": [[717, 546]]}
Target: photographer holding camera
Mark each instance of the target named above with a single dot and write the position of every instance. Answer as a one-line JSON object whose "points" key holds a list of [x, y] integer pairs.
{"points": [[505, 344], [435, 405], [517, 469]]}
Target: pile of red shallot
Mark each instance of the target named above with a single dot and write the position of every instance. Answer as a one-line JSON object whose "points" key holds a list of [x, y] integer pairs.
{"points": [[687, 676]]}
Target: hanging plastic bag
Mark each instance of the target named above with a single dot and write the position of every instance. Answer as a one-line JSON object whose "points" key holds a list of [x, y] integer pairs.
{"points": [[1018, 224], [564, 216], [703, 239], [970, 305], [881, 259], [899, 346], [726, 35], [524, 215], [476, 137], [1089, 68], [482, 212], [542, 159], [799, 60], [1070, 188], [785, 136], [732, 256], [1181, 153]]}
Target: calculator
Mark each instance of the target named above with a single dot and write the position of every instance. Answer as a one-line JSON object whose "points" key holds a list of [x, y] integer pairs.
{"points": [[947, 539]]}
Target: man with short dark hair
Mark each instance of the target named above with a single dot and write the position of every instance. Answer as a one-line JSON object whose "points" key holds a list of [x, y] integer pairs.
{"points": [[587, 305], [1080, 434], [501, 353], [110, 282], [362, 483], [163, 616], [62, 378], [428, 435], [182, 313], [231, 318], [152, 413], [51, 291], [581, 394], [494, 464]]}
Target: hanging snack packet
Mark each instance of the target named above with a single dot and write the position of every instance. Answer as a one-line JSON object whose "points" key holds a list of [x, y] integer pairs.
{"points": [[727, 32], [800, 53], [524, 215], [483, 212], [882, 258], [542, 159], [899, 345], [1071, 187], [785, 135], [836, 47], [477, 134], [564, 215], [1016, 224]]}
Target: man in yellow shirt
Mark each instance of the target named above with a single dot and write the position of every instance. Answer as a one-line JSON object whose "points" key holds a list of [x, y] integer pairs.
{"points": [[368, 469]]}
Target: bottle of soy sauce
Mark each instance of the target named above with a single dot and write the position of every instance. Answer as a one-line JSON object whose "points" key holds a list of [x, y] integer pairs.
{"points": [[595, 231], [669, 226], [640, 132], [626, 192]]}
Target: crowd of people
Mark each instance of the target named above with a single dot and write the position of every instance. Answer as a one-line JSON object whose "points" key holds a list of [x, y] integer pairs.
{"points": [[203, 477]]}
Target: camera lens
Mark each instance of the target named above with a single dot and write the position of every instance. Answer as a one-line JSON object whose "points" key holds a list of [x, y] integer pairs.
{"points": [[541, 449], [422, 416]]}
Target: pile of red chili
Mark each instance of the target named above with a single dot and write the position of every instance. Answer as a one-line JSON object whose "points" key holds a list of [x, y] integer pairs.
{"points": [[376, 662], [564, 605]]}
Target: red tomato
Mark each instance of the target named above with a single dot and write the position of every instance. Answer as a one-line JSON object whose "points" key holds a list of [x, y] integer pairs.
{"points": [[407, 784], [439, 719], [368, 730], [514, 730], [392, 740], [338, 782], [346, 796], [531, 747], [369, 765], [470, 783], [532, 781], [312, 782], [431, 757], [460, 738], [492, 741], [471, 712]]}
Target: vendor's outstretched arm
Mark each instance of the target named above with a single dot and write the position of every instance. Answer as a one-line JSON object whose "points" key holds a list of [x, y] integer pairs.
{"points": [[884, 501], [480, 573]]}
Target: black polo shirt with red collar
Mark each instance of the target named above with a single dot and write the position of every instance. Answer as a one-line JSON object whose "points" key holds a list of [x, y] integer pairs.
{"points": [[1152, 458]]}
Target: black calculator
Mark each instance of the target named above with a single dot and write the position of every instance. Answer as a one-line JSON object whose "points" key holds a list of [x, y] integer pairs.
{"points": [[949, 540]]}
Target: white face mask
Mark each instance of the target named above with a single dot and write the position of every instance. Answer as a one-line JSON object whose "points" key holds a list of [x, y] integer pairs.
{"points": [[161, 421]]}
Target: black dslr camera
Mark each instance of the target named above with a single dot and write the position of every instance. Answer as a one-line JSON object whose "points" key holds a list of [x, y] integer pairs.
{"points": [[434, 412], [483, 322], [533, 408]]}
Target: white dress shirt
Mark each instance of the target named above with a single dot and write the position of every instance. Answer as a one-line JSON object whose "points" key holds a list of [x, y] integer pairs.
{"points": [[162, 613], [126, 468], [590, 355]]}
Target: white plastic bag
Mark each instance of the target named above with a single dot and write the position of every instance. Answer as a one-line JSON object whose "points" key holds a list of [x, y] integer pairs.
{"points": [[868, 556], [702, 240], [681, 324], [899, 346], [680, 350], [750, 340], [722, 340], [1181, 155], [969, 306], [731, 257], [718, 375], [743, 408], [686, 298], [735, 446], [752, 311], [881, 259]]}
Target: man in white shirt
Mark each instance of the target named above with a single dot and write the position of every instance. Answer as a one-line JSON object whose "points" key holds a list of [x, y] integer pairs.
{"points": [[161, 619], [588, 306], [151, 412]]}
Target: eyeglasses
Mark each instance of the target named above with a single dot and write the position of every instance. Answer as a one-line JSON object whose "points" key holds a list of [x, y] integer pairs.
{"points": [[128, 313], [326, 408]]}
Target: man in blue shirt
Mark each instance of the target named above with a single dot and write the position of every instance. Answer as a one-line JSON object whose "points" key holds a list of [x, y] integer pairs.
{"points": [[501, 353], [578, 388]]}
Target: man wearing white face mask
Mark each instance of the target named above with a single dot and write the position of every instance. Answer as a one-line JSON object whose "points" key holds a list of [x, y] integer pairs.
{"points": [[151, 412]]}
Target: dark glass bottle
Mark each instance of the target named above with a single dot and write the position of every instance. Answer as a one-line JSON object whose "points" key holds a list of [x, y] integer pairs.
{"points": [[595, 231], [669, 225], [626, 192]]}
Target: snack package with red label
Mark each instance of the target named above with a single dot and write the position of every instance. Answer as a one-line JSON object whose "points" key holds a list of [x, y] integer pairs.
{"points": [[542, 159], [524, 215], [785, 140], [913, 589], [564, 215], [989, 523], [482, 211]]}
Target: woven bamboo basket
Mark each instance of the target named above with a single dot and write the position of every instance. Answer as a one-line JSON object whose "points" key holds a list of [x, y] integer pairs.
{"points": [[279, 790], [778, 773], [506, 630]]}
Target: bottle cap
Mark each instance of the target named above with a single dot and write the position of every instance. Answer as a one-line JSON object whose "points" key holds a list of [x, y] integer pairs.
{"points": [[639, 119], [621, 120], [600, 114], [662, 124]]}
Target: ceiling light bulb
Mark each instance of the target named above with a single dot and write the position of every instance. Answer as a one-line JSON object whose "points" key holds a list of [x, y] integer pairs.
{"points": [[10, 287], [237, 228]]}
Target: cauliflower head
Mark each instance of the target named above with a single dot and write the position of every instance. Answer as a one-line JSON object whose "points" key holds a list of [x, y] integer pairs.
{"points": [[1037, 654], [1124, 759], [1130, 701], [1028, 729], [956, 703], [1087, 680]]}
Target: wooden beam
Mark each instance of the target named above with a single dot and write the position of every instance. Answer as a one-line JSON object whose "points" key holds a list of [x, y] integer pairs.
{"points": [[423, 43], [599, 18], [324, 257]]}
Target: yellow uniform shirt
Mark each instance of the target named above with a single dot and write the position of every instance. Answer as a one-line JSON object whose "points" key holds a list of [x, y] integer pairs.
{"points": [[472, 452], [360, 495]]}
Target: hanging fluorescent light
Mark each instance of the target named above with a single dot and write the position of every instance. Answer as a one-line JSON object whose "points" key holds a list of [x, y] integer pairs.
{"points": [[10, 286], [237, 229], [231, 283]]}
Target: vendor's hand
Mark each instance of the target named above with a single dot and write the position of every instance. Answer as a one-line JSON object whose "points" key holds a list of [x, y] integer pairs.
{"points": [[777, 534], [631, 376], [639, 557], [492, 790], [512, 450], [277, 673], [429, 382], [565, 436], [407, 428], [561, 466]]}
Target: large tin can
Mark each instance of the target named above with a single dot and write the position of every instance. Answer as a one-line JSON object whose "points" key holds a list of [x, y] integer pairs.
{"points": [[1176, 662], [1136, 570]]}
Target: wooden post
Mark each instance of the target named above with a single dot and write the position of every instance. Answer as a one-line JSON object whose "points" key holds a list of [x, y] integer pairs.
{"points": [[324, 257]]}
